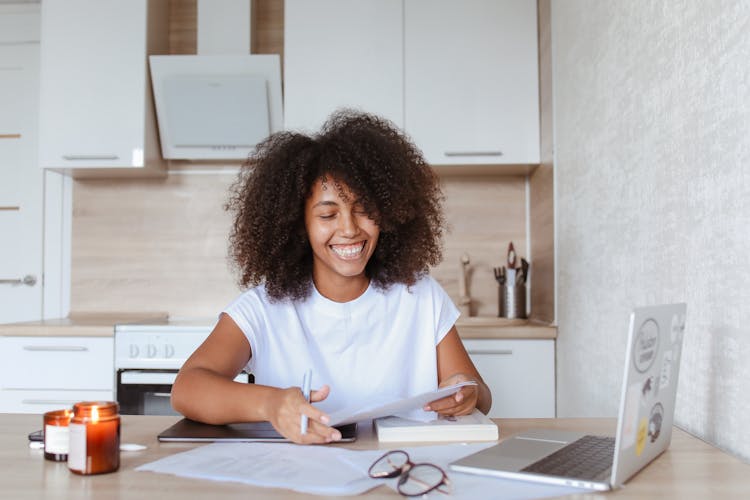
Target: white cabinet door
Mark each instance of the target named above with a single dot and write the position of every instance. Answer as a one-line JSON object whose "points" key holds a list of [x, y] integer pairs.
{"points": [[471, 80], [95, 102], [342, 53], [21, 182], [40, 373], [520, 375]]}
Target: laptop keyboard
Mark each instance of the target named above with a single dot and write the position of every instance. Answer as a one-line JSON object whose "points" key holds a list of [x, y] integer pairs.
{"points": [[589, 457]]}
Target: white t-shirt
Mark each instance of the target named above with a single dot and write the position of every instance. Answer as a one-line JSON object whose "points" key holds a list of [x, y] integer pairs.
{"points": [[382, 345]]}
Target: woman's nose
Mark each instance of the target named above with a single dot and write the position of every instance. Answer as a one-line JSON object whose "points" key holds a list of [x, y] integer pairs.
{"points": [[348, 225]]}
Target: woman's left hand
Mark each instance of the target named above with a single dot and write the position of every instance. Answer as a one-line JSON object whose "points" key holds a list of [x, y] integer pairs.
{"points": [[461, 403]]}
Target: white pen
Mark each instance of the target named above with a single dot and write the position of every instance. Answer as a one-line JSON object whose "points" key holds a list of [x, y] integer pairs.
{"points": [[306, 381]]}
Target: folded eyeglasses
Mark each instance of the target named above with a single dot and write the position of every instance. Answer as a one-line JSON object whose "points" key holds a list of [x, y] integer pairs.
{"points": [[413, 479]]}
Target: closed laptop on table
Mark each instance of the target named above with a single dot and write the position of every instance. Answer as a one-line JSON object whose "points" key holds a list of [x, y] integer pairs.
{"points": [[192, 431]]}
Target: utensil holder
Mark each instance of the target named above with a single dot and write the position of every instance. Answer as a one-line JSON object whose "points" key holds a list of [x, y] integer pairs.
{"points": [[512, 301]]}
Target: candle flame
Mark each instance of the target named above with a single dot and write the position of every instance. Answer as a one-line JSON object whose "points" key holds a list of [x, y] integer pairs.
{"points": [[94, 414]]}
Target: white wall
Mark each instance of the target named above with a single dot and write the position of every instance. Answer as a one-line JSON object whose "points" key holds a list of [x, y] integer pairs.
{"points": [[652, 125]]}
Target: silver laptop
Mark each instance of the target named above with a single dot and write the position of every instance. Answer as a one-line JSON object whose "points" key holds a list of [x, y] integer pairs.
{"points": [[644, 424]]}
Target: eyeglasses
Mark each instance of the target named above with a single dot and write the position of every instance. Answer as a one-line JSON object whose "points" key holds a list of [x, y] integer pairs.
{"points": [[415, 479]]}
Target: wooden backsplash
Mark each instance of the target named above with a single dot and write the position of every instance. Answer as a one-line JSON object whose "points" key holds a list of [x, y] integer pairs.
{"points": [[148, 245], [161, 244]]}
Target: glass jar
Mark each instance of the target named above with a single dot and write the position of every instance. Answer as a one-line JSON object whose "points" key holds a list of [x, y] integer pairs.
{"points": [[56, 435], [94, 438]]}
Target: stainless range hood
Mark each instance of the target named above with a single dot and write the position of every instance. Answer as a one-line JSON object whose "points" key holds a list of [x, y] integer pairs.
{"points": [[218, 104]]}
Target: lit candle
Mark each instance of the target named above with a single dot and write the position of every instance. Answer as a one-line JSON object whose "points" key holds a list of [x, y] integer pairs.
{"points": [[94, 438], [56, 435]]}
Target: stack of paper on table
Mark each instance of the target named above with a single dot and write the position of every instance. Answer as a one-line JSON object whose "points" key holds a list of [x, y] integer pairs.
{"points": [[473, 427]]}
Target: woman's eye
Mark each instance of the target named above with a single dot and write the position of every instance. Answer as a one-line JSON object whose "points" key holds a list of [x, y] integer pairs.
{"points": [[327, 216]]}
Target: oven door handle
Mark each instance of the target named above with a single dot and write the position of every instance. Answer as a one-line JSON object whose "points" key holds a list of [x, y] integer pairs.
{"points": [[148, 377]]}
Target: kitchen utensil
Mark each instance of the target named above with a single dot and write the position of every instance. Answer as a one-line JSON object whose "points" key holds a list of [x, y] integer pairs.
{"points": [[511, 256], [511, 276], [499, 274]]}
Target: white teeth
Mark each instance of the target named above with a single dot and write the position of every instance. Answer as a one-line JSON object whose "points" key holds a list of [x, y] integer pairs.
{"points": [[348, 251]]}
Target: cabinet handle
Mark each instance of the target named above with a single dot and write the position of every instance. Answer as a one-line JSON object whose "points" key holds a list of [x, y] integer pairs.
{"points": [[10, 136], [70, 402], [161, 394], [90, 157], [55, 348], [503, 352], [29, 280], [10, 208], [473, 153]]}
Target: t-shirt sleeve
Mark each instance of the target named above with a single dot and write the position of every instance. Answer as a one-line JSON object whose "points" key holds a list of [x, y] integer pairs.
{"points": [[446, 312], [245, 312]]}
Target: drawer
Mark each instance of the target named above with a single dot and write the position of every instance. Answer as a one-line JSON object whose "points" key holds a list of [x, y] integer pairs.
{"points": [[29, 401], [519, 373], [70, 363]]}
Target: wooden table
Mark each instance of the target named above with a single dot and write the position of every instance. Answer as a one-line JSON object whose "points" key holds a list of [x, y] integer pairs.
{"points": [[689, 469]]}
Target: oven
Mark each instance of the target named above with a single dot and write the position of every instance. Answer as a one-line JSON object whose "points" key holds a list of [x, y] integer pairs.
{"points": [[147, 359]]}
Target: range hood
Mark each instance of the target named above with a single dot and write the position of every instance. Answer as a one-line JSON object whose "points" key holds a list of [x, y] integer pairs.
{"points": [[218, 104]]}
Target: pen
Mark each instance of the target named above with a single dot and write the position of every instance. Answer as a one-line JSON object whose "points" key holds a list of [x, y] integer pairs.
{"points": [[306, 381]]}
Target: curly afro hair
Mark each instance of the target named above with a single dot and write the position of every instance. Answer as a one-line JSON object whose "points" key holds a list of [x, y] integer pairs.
{"points": [[364, 153]]}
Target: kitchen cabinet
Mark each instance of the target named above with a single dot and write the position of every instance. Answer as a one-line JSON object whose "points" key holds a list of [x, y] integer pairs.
{"points": [[96, 109], [460, 77], [519, 373], [471, 91], [39, 374], [339, 53]]}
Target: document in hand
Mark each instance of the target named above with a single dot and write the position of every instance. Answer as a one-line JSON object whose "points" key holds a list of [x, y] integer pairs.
{"points": [[397, 407], [473, 427]]}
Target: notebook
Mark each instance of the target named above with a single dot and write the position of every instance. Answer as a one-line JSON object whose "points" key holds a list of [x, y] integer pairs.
{"points": [[190, 430], [473, 427], [644, 424]]}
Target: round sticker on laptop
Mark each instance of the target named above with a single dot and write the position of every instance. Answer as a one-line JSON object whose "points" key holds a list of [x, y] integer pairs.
{"points": [[654, 421], [646, 346]]}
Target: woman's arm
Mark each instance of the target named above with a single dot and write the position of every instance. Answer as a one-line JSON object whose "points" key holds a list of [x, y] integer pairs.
{"points": [[205, 390], [454, 365]]}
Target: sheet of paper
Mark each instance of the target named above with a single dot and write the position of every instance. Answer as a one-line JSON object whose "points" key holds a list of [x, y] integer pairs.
{"points": [[469, 486], [408, 408], [324, 470], [320, 470]]}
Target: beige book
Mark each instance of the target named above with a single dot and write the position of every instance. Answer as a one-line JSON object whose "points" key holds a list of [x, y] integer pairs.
{"points": [[473, 427]]}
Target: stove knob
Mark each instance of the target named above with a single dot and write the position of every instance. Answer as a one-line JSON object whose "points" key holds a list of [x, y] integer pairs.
{"points": [[150, 351], [168, 350], [133, 350]]}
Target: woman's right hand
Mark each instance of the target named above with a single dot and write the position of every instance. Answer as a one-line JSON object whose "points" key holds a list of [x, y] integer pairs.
{"points": [[286, 409]]}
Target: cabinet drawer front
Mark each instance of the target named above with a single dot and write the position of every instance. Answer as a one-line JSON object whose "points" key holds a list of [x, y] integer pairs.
{"points": [[43, 363], [520, 374], [17, 401]]}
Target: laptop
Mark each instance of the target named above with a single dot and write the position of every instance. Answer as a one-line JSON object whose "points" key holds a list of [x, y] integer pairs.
{"points": [[644, 423], [187, 430]]}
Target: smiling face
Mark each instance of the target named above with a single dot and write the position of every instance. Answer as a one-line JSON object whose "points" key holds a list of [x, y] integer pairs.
{"points": [[343, 238]]}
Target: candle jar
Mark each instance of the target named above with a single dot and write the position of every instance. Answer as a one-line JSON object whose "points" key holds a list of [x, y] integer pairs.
{"points": [[94, 438], [56, 435]]}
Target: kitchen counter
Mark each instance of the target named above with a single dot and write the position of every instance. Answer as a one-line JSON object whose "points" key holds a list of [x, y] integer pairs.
{"points": [[102, 325], [79, 325], [487, 327], [690, 469]]}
